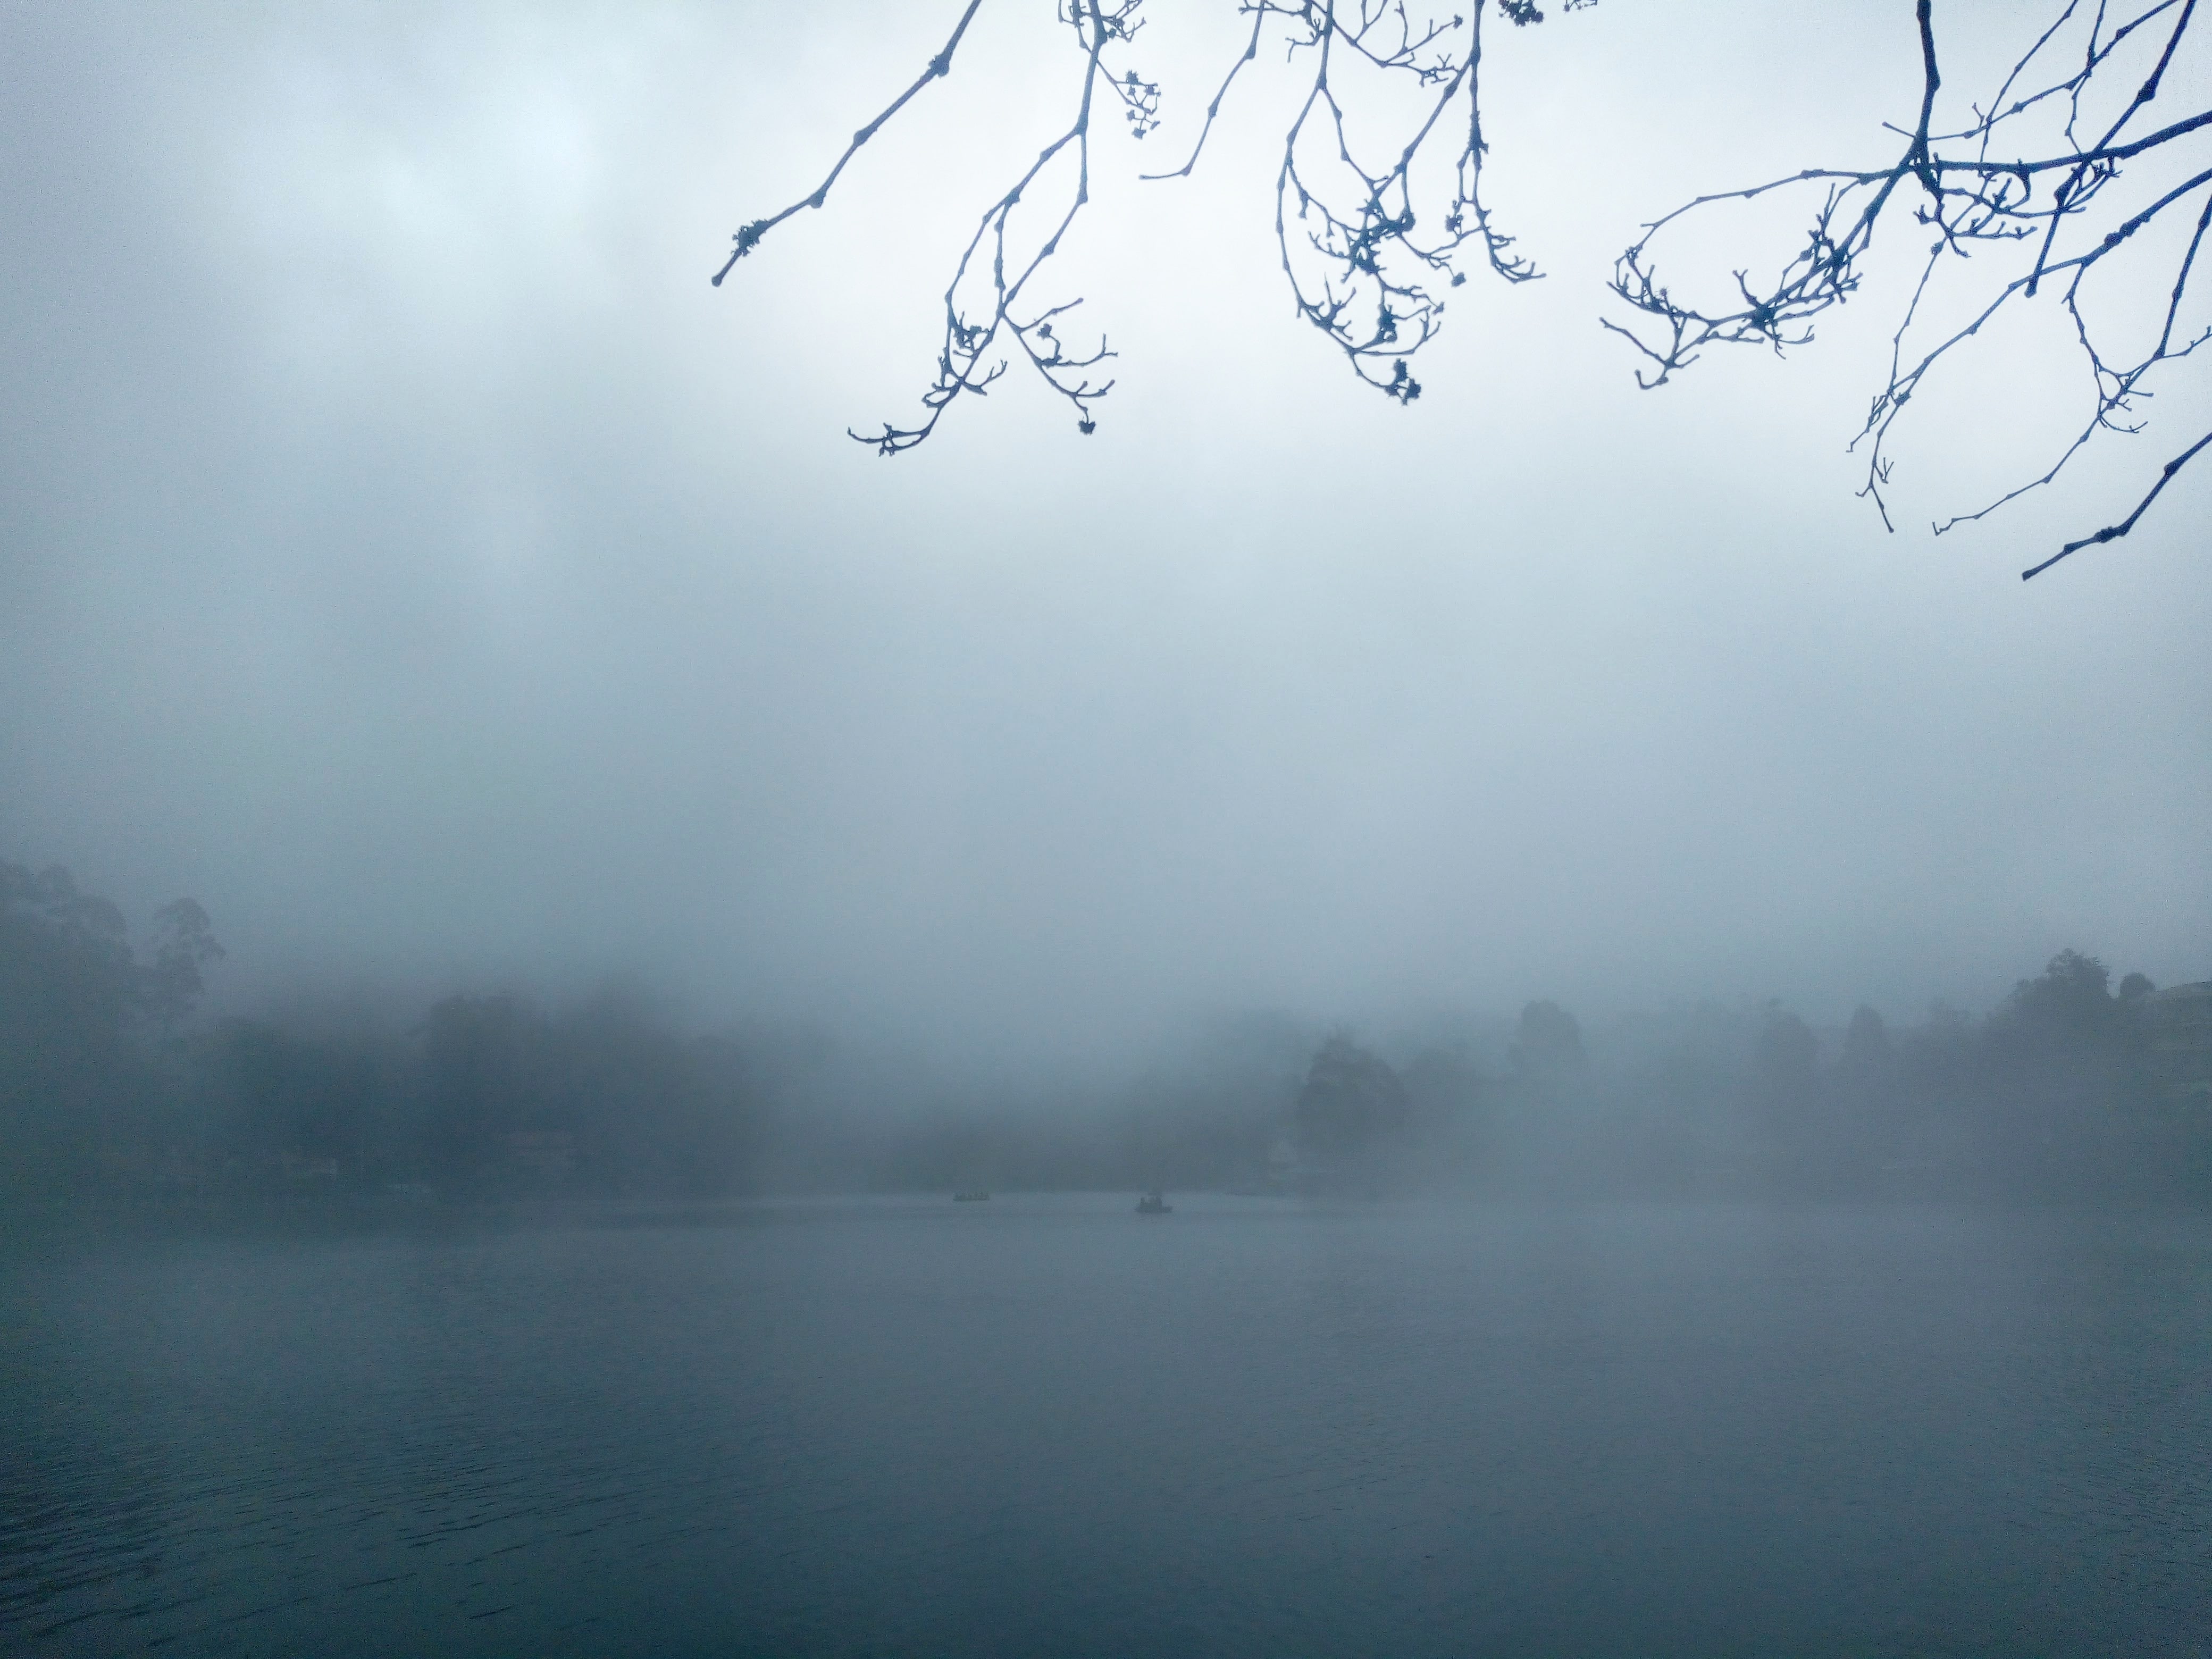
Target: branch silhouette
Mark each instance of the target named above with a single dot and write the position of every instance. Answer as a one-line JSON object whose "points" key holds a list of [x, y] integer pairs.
{"points": [[2060, 204], [2048, 187], [1360, 265]]}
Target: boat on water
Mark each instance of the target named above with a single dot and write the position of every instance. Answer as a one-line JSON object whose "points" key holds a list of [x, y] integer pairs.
{"points": [[1154, 1203], [969, 1198]]}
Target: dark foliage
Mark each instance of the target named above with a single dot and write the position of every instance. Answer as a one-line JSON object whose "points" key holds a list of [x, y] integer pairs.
{"points": [[81, 1067], [1353, 1108], [100, 1091], [2067, 1089]]}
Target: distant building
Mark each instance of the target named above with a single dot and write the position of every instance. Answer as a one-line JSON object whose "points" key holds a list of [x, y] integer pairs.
{"points": [[2177, 1028]]}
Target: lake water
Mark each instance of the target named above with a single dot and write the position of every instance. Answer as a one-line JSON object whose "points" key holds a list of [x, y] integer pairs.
{"points": [[1047, 1426]]}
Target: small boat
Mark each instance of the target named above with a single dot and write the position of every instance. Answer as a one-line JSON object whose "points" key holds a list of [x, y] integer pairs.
{"points": [[969, 1198], [1153, 1204]]}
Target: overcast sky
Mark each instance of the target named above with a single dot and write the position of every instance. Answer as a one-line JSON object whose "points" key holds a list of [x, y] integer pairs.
{"points": [[407, 553]]}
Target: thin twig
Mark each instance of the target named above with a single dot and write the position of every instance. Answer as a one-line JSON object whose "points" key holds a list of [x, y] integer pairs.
{"points": [[1969, 203], [939, 66], [2113, 533]]}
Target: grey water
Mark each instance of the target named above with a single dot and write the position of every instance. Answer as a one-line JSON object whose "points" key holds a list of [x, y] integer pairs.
{"points": [[1050, 1427]]}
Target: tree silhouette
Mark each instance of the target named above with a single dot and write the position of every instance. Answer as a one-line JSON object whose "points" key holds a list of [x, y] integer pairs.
{"points": [[2047, 187], [1352, 1106]]}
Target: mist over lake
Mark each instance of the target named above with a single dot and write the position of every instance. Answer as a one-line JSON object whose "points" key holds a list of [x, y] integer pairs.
{"points": [[1121, 827]]}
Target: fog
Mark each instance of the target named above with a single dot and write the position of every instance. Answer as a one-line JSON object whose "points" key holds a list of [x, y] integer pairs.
{"points": [[589, 969], [409, 557]]}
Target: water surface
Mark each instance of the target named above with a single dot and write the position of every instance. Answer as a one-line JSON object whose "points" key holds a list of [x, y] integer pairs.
{"points": [[1047, 1426]]}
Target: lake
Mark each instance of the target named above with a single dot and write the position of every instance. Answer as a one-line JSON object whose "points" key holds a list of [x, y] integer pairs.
{"points": [[1047, 1425]]}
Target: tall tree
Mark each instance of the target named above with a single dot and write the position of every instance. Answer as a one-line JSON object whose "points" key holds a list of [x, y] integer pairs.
{"points": [[1352, 1110], [75, 1005]]}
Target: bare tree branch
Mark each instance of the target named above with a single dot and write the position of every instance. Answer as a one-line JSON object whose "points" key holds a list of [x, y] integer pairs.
{"points": [[749, 238], [960, 361], [1371, 231], [1350, 234], [2113, 533], [1970, 202]]}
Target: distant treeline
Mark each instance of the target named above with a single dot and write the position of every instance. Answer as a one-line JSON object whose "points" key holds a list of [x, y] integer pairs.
{"points": [[2072, 1088], [106, 1086], [110, 1086]]}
